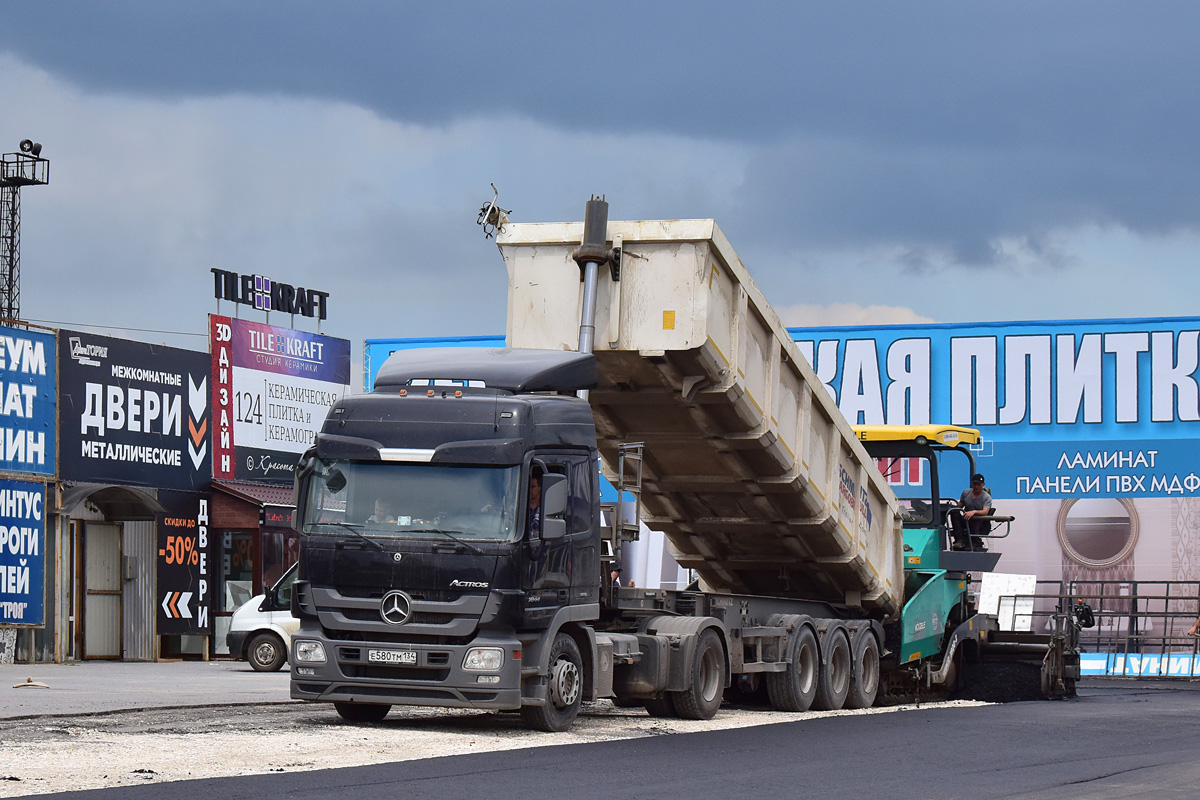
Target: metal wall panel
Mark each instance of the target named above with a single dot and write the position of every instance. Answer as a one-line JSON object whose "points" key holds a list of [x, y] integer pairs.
{"points": [[138, 621], [102, 587]]}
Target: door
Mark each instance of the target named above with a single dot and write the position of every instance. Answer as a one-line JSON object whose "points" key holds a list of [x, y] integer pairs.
{"points": [[102, 591], [571, 565]]}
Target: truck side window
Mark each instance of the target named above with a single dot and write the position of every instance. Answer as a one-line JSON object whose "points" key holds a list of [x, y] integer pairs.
{"points": [[579, 503]]}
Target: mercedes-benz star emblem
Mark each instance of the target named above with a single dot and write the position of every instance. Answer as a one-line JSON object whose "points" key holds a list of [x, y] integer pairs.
{"points": [[395, 608]]}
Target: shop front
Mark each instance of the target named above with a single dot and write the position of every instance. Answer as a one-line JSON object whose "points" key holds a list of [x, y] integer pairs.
{"points": [[253, 544]]}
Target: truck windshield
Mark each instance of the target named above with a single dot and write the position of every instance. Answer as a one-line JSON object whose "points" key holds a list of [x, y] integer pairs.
{"points": [[413, 500]]}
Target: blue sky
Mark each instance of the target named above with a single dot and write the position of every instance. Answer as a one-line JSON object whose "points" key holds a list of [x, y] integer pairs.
{"points": [[870, 162]]}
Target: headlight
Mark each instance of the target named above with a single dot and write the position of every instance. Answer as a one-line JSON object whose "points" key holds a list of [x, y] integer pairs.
{"points": [[312, 652], [486, 659]]}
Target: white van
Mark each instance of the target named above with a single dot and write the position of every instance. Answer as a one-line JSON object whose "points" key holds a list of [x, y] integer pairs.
{"points": [[261, 629]]}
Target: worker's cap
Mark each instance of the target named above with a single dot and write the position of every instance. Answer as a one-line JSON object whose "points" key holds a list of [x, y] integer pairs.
{"points": [[616, 568], [977, 478]]}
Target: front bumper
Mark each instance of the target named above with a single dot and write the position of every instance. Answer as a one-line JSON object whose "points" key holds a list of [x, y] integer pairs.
{"points": [[237, 643], [435, 679]]}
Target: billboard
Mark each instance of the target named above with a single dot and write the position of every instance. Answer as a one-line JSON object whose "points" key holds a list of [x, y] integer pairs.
{"points": [[133, 413], [183, 579], [1088, 429], [1069, 409], [272, 388], [22, 553], [29, 400]]}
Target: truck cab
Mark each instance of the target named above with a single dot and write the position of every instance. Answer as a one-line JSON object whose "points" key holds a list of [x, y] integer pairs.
{"points": [[426, 575]]}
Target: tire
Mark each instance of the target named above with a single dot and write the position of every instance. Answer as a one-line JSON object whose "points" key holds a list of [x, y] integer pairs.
{"points": [[833, 684], [703, 696], [795, 688], [266, 652], [564, 689], [864, 672], [362, 712], [661, 707]]}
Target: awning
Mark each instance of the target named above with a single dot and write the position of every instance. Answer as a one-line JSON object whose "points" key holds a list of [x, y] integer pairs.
{"points": [[260, 494], [115, 502]]}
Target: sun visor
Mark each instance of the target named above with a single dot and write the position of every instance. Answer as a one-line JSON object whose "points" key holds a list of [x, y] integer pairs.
{"points": [[504, 368]]}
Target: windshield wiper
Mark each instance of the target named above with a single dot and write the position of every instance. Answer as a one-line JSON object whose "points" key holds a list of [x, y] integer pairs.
{"points": [[353, 528], [448, 535]]}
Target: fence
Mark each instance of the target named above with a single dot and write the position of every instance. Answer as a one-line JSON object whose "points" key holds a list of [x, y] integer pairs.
{"points": [[1141, 626]]}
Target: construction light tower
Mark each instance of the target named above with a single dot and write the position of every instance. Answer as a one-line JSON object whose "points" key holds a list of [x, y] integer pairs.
{"points": [[26, 168]]}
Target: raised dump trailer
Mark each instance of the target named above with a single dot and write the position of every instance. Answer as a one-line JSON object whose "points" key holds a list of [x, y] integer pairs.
{"points": [[750, 469]]}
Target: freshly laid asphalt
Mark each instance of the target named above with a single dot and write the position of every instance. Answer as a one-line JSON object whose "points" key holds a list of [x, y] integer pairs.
{"points": [[1126, 739], [93, 687]]}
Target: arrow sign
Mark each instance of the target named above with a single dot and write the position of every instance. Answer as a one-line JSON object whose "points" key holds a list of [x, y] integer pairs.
{"points": [[176, 605]]}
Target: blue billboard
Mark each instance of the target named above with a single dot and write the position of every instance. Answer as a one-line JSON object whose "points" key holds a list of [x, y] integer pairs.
{"points": [[22, 553], [1075, 408], [29, 401]]}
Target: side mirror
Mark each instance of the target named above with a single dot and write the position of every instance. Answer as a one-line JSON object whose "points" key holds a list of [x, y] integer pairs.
{"points": [[554, 495], [335, 481], [553, 529], [554, 506]]}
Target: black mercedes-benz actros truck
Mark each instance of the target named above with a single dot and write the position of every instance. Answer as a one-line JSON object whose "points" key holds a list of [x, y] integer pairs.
{"points": [[453, 557]]}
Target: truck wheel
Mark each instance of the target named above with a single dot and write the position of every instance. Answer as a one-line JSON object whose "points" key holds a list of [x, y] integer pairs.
{"points": [[703, 696], [266, 652], [362, 712], [564, 689], [794, 688], [864, 672], [660, 707], [833, 684]]}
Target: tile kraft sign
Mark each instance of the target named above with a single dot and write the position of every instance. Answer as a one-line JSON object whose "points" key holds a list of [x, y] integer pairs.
{"points": [[133, 413], [272, 388], [28, 401]]}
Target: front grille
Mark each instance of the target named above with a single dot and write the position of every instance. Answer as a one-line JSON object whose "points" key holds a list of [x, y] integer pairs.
{"points": [[419, 618], [386, 637], [360, 591], [375, 592], [395, 673]]}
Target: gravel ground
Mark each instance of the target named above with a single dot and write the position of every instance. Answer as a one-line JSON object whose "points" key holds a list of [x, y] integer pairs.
{"points": [[64, 753]]}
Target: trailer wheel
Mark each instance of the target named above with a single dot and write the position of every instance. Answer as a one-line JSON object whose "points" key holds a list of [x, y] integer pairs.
{"points": [[703, 696], [794, 688], [266, 653], [564, 691], [362, 712], [833, 684], [864, 673]]}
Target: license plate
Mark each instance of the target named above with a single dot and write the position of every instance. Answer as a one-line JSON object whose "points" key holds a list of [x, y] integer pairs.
{"points": [[392, 656]]}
